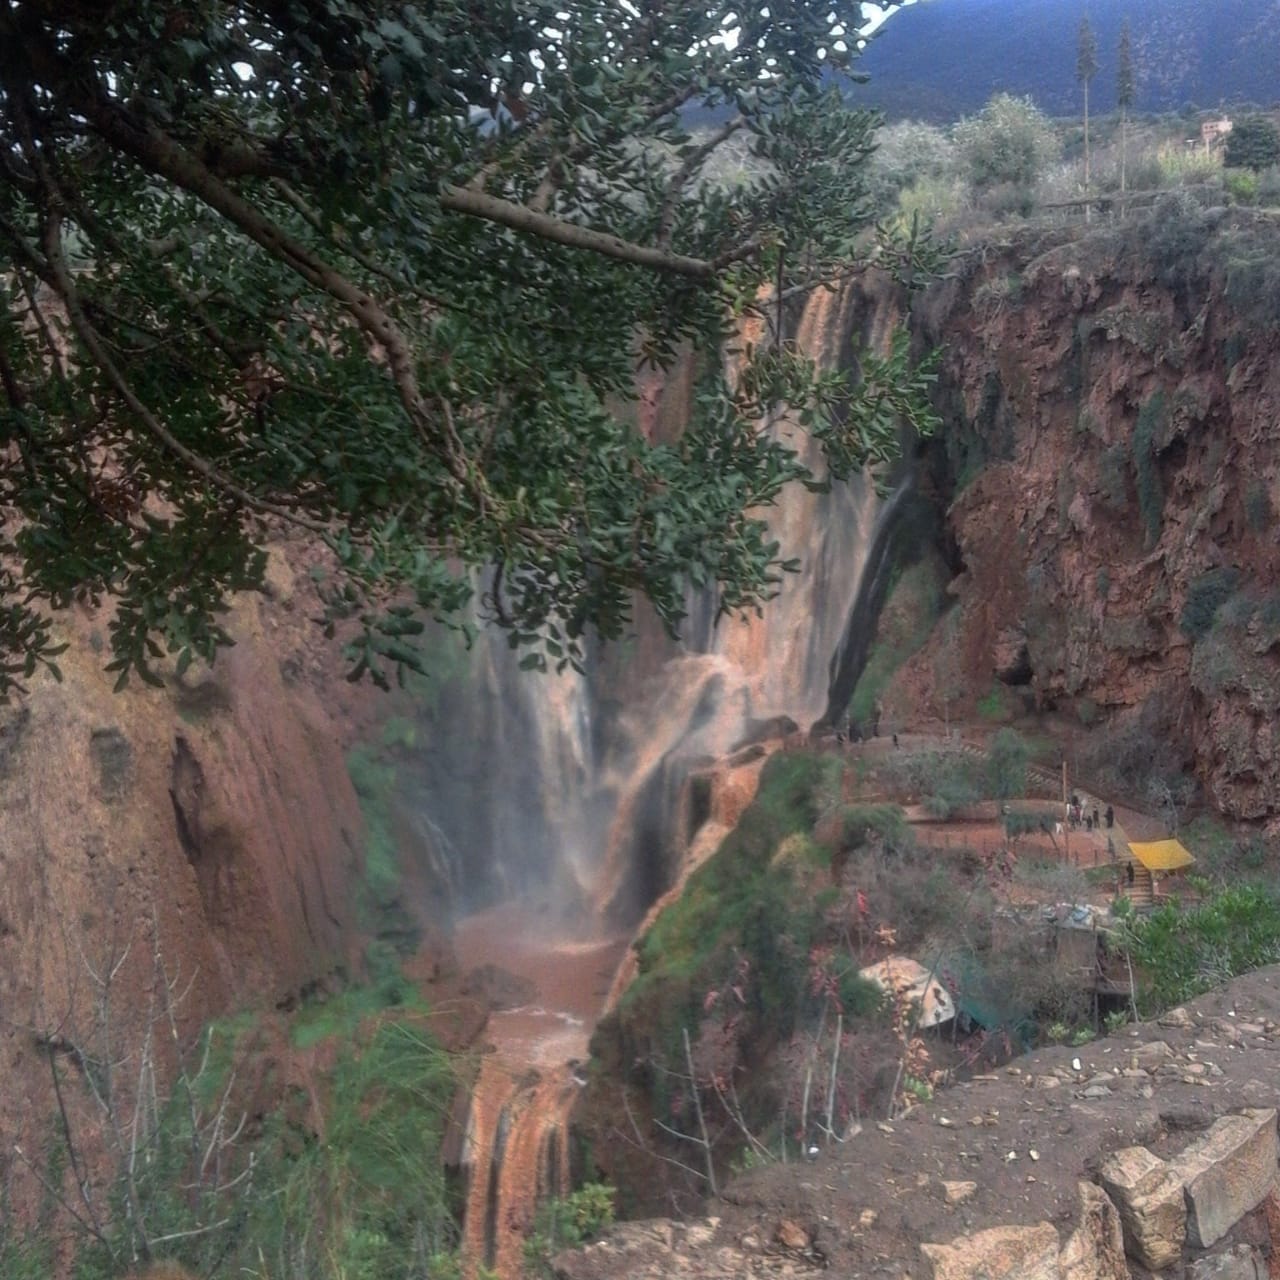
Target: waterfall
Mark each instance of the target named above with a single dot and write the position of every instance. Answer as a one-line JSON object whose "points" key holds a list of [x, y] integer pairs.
{"points": [[568, 796], [562, 788]]}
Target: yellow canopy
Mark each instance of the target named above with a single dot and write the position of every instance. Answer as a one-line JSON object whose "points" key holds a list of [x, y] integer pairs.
{"points": [[1162, 855]]}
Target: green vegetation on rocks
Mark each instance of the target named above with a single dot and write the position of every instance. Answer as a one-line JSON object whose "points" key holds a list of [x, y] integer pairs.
{"points": [[1148, 434], [345, 1182], [1183, 951]]}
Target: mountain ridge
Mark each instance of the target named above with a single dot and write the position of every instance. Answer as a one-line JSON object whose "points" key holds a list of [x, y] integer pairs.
{"points": [[1201, 53]]}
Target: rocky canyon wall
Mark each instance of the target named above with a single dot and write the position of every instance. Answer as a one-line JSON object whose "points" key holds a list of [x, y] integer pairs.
{"points": [[1111, 474], [211, 821]]}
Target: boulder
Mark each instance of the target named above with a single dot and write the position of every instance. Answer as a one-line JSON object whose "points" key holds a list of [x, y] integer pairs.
{"points": [[1095, 1248], [954, 1193], [1227, 1172], [1152, 1054], [1241, 1263], [1002, 1253], [1153, 1211]]}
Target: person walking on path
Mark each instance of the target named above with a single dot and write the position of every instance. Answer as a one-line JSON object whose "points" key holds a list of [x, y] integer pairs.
{"points": [[1111, 817]]}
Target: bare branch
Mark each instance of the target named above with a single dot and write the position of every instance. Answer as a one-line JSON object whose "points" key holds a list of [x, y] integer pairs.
{"points": [[521, 218]]}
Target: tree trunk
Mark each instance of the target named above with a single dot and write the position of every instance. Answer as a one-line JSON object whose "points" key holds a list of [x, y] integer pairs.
{"points": [[1088, 209], [1124, 120]]}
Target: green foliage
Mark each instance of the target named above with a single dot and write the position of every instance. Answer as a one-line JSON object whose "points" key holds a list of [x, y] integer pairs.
{"points": [[1225, 856], [859, 996], [568, 1222], [1086, 53], [1006, 765], [1269, 187], [340, 1015], [1146, 443], [1009, 142], [375, 1186], [1253, 143], [1177, 234], [1257, 506], [1124, 68], [379, 272], [921, 773], [742, 902], [1182, 952], [1242, 187], [1115, 1021], [1252, 274], [996, 704], [886, 824], [931, 200], [266, 1198], [374, 779], [951, 793], [1205, 596], [908, 153], [1021, 822]]}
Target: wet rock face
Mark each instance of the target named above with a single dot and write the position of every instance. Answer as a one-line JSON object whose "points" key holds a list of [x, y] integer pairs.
{"points": [[1112, 456]]}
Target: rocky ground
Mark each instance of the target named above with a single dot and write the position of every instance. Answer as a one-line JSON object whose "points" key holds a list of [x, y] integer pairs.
{"points": [[1006, 1168]]}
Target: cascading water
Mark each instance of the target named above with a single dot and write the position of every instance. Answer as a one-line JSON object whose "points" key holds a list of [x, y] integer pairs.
{"points": [[569, 793]]}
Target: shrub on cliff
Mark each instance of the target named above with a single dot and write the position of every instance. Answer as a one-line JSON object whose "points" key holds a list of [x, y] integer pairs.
{"points": [[1205, 596], [1146, 443], [1008, 143]]}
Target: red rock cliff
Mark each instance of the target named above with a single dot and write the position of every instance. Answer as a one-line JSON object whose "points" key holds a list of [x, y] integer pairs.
{"points": [[1113, 457], [215, 814]]}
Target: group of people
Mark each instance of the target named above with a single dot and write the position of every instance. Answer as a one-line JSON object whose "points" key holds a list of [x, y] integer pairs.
{"points": [[1078, 817]]}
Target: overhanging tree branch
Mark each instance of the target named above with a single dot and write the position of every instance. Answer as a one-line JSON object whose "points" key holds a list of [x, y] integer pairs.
{"points": [[518, 217]]}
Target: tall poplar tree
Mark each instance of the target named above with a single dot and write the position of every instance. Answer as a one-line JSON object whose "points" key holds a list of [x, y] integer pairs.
{"points": [[1124, 93], [1086, 69]]}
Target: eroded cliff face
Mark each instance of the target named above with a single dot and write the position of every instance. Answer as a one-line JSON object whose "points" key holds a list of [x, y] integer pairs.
{"points": [[212, 820], [1112, 465]]}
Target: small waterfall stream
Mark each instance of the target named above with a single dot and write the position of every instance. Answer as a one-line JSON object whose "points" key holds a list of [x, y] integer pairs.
{"points": [[568, 795]]}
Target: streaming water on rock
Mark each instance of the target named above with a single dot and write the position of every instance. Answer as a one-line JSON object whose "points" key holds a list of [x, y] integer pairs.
{"points": [[571, 794]]}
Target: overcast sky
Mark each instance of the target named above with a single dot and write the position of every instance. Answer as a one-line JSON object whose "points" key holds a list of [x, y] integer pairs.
{"points": [[876, 15]]}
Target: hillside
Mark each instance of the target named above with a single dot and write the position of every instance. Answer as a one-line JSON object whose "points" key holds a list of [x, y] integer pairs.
{"points": [[941, 59]]}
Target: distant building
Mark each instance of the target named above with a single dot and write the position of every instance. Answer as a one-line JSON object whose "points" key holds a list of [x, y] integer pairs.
{"points": [[1213, 133]]}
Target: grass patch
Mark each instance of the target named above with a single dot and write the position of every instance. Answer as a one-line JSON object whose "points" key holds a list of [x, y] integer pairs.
{"points": [[375, 1186], [1182, 952], [997, 704], [341, 1015]]}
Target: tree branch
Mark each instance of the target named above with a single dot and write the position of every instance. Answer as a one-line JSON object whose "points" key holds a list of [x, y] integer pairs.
{"points": [[521, 218], [692, 163], [92, 341]]}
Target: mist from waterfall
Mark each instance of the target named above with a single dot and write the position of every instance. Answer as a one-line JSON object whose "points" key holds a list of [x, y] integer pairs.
{"points": [[561, 789]]}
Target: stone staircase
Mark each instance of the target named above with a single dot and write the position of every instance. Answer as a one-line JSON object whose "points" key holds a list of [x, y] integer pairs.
{"points": [[1142, 892]]}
